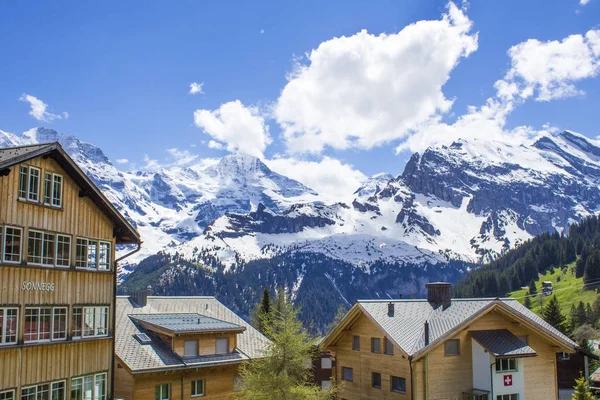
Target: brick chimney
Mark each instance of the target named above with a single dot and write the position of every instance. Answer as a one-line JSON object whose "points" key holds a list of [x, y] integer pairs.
{"points": [[439, 294]]}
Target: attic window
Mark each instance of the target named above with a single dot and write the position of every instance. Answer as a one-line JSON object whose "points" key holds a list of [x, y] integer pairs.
{"points": [[143, 338]]}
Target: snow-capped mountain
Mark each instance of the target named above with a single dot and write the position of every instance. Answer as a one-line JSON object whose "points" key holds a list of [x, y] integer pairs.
{"points": [[236, 224]]}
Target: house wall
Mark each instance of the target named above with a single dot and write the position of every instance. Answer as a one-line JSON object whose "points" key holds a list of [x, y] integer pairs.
{"points": [[517, 381], [218, 383], [450, 376], [481, 367], [207, 343], [364, 363], [24, 364], [124, 382]]}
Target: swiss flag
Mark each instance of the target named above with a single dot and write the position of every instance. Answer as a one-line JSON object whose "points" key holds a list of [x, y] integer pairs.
{"points": [[508, 380]]}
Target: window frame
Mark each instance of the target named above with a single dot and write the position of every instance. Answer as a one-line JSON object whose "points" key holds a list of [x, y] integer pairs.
{"points": [[53, 389], [327, 360], [356, 343], [40, 389], [78, 329], [195, 341], [4, 240], [99, 263], [401, 379], [195, 388], [344, 369], [388, 343], [158, 391], [446, 353], [509, 361], [51, 331], [217, 345], [59, 243], [373, 383], [378, 341], [84, 379], [4, 326], [511, 396], [4, 393]]}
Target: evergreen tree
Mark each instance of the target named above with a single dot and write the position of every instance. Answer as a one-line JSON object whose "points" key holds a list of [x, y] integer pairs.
{"points": [[527, 302], [553, 315], [581, 314], [282, 372], [591, 273], [532, 288], [582, 390], [261, 314], [570, 252]]}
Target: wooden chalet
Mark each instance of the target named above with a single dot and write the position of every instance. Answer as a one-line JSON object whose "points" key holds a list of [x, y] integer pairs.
{"points": [[58, 234], [175, 348], [443, 348]]}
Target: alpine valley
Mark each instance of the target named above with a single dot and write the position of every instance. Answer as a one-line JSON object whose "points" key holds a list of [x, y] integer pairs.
{"points": [[231, 226]]}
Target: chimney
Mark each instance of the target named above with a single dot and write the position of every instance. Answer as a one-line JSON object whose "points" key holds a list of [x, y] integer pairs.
{"points": [[439, 294], [426, 333], [390, 309], [140, 297]]}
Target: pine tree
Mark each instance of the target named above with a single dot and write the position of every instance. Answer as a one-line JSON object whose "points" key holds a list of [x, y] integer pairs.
{"points": [[581, 314], [282, 372], [261, 314], [591, 273], [553, 315], [527, 302], [582, 390], [532, 288]]}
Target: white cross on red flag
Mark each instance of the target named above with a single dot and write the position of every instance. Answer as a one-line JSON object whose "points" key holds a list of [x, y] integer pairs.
{"points": [[508, 380]]}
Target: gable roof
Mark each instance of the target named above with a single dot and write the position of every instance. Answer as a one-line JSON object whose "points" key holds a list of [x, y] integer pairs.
{"points": [[407, 327], [501, 343], [10, 156], [157, 355]]}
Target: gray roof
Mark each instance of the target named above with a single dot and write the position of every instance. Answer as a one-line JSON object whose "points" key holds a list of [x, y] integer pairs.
{"points": [[157, 355], [406, 327], [9, 156], [186, 323], [502, 343]]}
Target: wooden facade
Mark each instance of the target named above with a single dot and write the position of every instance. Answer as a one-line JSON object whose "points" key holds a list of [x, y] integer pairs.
{"points": [[433, 375], [57, 346]]}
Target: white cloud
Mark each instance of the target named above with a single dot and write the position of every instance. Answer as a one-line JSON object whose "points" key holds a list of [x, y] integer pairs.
{"points": [[550, 69], [196, 88], [150, 164], [181, 157], [262, 31], [39, 109], [365, 90], [329, 176], [212, 144], [122, 161], [241, 128], [583, 2]]}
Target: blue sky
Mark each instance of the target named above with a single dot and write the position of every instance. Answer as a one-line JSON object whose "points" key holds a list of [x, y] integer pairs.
{"points": [[122, 71]]}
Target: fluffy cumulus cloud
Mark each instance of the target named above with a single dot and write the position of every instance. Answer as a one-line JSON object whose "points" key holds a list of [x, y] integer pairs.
{"points": [[237, 127], [39, 109], [365, 90], [181, 157], [329, 177], [196, 88], [212, 144], [583, 2], [549, 70]]}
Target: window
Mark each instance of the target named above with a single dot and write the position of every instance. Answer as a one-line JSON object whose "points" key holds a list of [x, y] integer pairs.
{"points": [[49, 249], [9, 322], [347, 374], [356, 343], [506, 364], [222, 346], [53, 189], [452, 347], [7, 395], [388, 347], [34, 247], [90, 387], [12, 244], [325, 384], [375, 345], [37, 392], [45, 323], [198, 388], [63, 250], [507, 397], [398, 384], [104, 256], [81, 253], [376, 380], [59, 323], [90, 321], [190, 348], [162, 392], [326, 363], [29, 184], [92, 254], [58, 390]]}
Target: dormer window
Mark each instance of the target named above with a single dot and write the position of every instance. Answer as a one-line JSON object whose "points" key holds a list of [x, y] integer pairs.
{"points": [[29, 187], [222, 346]]}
